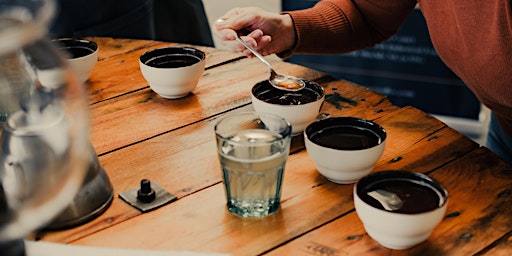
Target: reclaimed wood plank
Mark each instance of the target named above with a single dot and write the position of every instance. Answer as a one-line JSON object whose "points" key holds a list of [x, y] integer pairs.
{"points": [[502, 247], [178, 173], [127, 101], [123, 164], [201, 221], [143, 114], [412, 129], [343, 98], [109, 47], [179, 161], [466, 229], [117, 71], [177, 150]]}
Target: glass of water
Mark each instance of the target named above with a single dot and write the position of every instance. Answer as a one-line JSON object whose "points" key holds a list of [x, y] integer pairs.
{"points": [[253, 148]]}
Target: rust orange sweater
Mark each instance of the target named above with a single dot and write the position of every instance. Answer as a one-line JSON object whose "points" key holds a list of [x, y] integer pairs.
{"points": [[473, 38]]}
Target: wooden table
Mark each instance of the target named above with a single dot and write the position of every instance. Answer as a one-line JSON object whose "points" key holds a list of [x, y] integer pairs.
{"points": [[139, 135]]}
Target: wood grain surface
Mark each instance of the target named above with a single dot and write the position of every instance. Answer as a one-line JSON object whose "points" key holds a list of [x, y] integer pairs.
{"points": [[137, 134]]}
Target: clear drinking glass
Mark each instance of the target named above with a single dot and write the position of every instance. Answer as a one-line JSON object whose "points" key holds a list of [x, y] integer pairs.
{"points": [[253, 149]]}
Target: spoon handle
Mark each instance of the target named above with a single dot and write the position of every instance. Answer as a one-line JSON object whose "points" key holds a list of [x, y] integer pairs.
{"points": [[256, 53]]}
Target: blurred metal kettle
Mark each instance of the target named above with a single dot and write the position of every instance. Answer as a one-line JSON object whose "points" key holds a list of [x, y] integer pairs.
{"points": [[25, 156], [93, 198], [45, 152]]}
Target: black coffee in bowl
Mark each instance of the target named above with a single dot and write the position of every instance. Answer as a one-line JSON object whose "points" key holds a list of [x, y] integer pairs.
{"points": [[76, 48], [418, 193], [264, 91], [172, 57], [77, 52], [345, 133], [172, 61]]}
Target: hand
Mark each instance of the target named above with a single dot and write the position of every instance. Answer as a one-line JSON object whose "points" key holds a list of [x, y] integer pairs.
{"points": [[267, 32]]}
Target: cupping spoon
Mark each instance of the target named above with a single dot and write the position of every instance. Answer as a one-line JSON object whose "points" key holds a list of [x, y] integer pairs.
{"points": [[390, 201], [282, 82]]}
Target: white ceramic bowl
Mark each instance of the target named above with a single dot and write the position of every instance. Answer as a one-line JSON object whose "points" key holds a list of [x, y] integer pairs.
{"points": [[82, 56], [403, 228], [300, 108], [172, 72], [344, 149]]}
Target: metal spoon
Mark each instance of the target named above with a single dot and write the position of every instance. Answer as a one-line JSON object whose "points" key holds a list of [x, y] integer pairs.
{"points": [[390, 201], [282, 82]]}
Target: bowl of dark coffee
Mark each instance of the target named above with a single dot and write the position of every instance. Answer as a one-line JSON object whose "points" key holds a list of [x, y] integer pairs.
{"points": [[399, 209], [344, 149], [81, 54], [172, 72], [300, 108]]}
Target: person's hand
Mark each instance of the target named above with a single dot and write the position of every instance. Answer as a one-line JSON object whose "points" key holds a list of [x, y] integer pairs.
{"points": [[267, 32]]}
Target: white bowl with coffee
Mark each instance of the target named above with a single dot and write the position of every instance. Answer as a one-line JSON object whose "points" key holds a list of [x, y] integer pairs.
{"points": [[81, 54], [300, 108], [399, 209], [344, 149], [172, 72]]}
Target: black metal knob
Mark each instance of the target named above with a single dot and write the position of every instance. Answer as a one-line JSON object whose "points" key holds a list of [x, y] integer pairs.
{"points": [[146, 194]]}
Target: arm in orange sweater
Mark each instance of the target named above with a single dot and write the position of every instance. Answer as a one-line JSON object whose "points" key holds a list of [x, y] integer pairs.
{"points": [[339, 26]]}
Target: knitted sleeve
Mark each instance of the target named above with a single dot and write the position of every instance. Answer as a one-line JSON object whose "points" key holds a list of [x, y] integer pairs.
{"points": [[339, 26]]}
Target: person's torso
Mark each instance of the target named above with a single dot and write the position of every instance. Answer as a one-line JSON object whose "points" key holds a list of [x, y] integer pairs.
{"points": [[474, 38]]}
